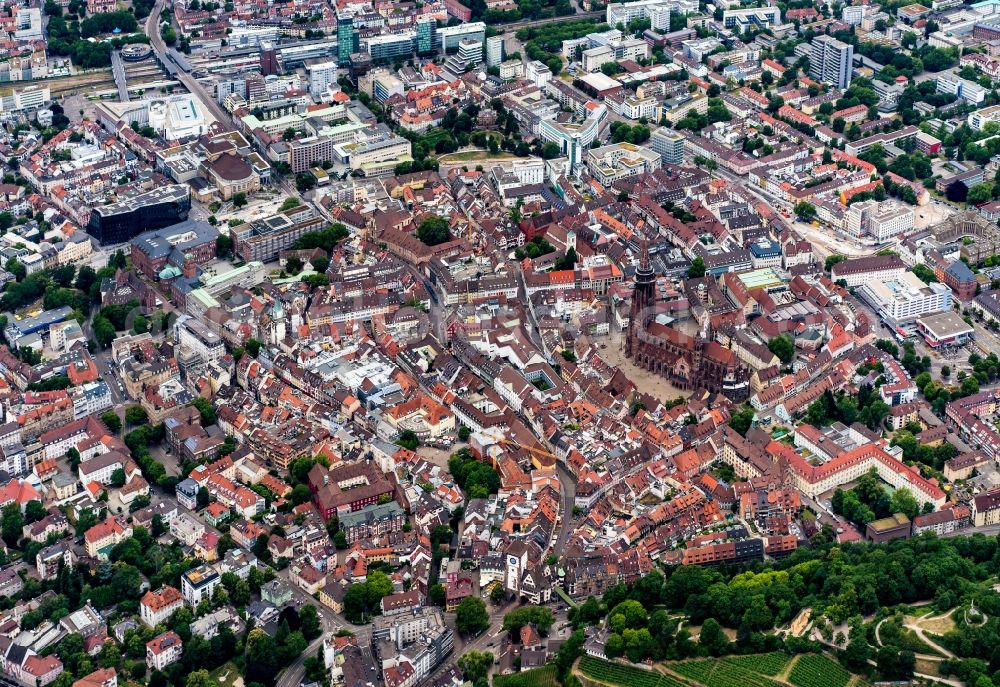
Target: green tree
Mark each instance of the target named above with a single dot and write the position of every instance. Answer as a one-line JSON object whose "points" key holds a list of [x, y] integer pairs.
{"points": [[136, 415], [320, 263], [857, 652], [433, 230], [742, 419], [252, 346], [438, 595], [832, 260], [118, 478], [293, 265], [783, 347], [980, 193], [805, 210], [614, 646], [639, 644], [11, 523], [239, 200], [904, 502], [300, 494], [74, 458], [476, 665], [471, 617], [539, 616], [311, 626], [408, 439], [34, 511], [206, 410], [632, 612], [758, 616], [697, 268], [223, 246], [200, 678], [104, 331]]}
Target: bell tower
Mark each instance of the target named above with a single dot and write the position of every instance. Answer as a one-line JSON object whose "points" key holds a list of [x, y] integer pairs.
{"points": [[642, 299]]}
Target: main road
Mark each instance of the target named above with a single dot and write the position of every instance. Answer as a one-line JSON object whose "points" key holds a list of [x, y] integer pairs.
{"points": [[195, 88], [187, 80]]}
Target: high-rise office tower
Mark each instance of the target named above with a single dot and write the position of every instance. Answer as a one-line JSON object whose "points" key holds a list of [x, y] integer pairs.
{"points": [[426, 28], [347, 40], [494, 51], [669, 145]]}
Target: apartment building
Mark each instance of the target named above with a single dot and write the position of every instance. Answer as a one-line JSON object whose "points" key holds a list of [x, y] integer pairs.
{"points": [[163, 650], [157, 607], [198, 584]]}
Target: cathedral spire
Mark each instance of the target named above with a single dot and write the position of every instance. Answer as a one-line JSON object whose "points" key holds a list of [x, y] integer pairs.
{"points": [[644, 272]]}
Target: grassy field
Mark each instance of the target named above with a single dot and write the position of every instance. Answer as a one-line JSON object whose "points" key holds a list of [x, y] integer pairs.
{"points": [[910, 641], [538, 677], [227, 675], [474, 156]]}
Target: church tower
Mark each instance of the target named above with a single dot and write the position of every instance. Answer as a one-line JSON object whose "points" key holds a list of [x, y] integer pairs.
{"points": [[642, 298]]}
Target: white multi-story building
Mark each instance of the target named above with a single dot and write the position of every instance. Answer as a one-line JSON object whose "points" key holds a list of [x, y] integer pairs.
{"points": [[538, 73], [192, 334], [634, 108], [163, 650], [831, 61], [29, 98], [968, 91], [529, 170], [321, 76], [511, 69], [199, 583], [980, 118], [245, 37], [592, 59], [659, 17], [494, 51], [101, 468], [657, 11], [861, 271], [14, 459], [881, 221], [815, 480], [384, 85], [157, 607], [669, 145], [451, 36], [758, 16], [186, 529], [575, 139], [91, 398], [617, 161], [941, 39], [905, 298], [28, 24], [412, 644], [854, 14]]}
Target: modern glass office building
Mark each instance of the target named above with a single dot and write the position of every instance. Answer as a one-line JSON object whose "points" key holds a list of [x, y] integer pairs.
{"points": [[126, 219]]}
